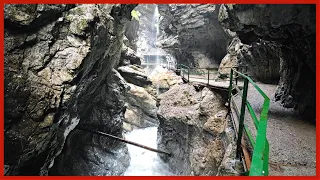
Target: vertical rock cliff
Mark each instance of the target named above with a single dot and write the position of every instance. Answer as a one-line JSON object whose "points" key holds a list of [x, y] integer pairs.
{"points": [[59, 74], [193, 34], [287, 31]]}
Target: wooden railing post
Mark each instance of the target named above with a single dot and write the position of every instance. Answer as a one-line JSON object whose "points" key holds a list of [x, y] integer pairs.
{"points": [[242, 113]]}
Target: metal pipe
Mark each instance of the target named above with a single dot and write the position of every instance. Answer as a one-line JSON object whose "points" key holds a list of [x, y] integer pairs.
{"points": [[122, 140], [242, 112]]}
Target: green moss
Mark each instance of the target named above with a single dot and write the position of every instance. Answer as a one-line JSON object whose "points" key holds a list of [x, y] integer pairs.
{"points": [[135, 15], [78, 11], [69, 18], [83, 24]]}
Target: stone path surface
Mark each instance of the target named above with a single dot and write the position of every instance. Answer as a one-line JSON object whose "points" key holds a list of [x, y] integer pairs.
{"points": [[292, 138]]}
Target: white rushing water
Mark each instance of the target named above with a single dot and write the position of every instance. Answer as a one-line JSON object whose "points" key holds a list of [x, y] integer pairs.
{"points": [[145, 162]]}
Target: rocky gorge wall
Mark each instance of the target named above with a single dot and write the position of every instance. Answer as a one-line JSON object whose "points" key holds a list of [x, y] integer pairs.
{"points": [[194, 128], [278, 37], [59, 73], [192, 34]]}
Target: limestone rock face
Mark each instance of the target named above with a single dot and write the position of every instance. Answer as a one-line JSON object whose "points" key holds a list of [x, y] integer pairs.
{"points": [[192, 128], [128, 56], [290, 28], [163, 79], [135, 75], [192, 34], [59, 73], [262, 59], [141, 109], [131, 32]]}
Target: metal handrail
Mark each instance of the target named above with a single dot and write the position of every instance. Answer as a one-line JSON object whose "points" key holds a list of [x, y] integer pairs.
{"points": [[260, 157], [203, 71]]}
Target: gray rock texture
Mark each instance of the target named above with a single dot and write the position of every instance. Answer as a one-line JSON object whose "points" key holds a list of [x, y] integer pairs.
{"points": [[141, 31], [163, 79], [292, 29], [135, 75], [59, 73], [128, 56], [262, 59], [141, 109], [193, 34], [193, 129]]}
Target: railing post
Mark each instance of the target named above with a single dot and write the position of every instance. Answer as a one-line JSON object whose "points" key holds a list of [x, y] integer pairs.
{"points": [[242, 113], [208, 76], [237, 68], [230, 88], [181, 71]]}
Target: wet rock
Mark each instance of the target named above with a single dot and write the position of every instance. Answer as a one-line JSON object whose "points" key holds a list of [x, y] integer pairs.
{"points": [[128, 56], [147, 28], [131, 32], [192, 34], [20, 17], [85, 153], [192, 128], [163, 79], [135, 75], [141, 109], [58, 73], [230, 60], [262, 58], [292, 29]]}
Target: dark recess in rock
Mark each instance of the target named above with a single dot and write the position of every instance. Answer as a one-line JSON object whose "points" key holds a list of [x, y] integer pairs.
{"points": [[292, 29]]}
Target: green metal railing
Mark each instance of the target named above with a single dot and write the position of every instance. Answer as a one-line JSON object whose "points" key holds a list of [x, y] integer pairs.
{"points": [[203, 73], [260, 155], [197, 73]]}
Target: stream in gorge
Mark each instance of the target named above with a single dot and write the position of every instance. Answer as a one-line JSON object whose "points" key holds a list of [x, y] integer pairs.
{"points": [[144, 162]]}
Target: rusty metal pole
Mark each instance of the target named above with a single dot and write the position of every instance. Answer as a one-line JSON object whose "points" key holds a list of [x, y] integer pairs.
{"points": [[236, 73], [122, 140], [242, 113]]}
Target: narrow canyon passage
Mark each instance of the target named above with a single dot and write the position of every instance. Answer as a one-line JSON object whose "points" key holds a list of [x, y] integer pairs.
{"points": [[144, 162], [158, 75]]}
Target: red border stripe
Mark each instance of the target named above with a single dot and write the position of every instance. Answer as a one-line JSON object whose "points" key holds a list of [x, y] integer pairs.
{"points": [[158, 2]]}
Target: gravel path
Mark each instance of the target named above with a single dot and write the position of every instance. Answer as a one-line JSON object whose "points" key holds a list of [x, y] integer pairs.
{"points": [[292, 138]]}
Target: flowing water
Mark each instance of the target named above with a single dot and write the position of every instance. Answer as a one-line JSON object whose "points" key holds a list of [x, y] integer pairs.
{"points": [[145, 162]]}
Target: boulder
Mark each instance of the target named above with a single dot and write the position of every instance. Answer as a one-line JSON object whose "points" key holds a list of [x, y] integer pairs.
{"points": [[192, 128], [163, 79], [135, 75], [128, 56], [141, 109]]}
